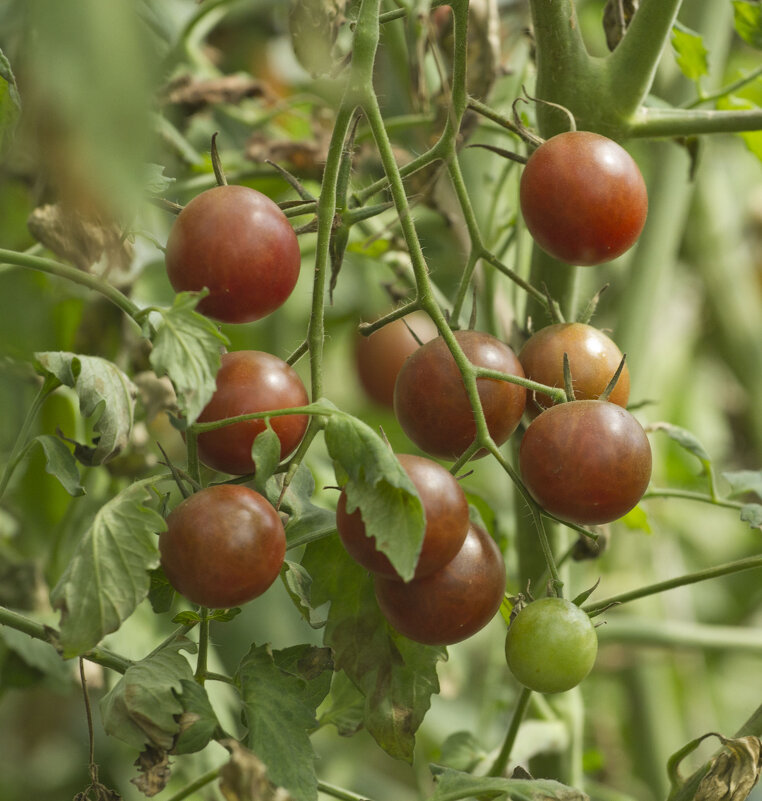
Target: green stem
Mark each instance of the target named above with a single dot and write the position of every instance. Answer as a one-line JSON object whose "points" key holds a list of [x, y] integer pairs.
{"points": [[340, 792], [197, 784], [501, 761], [203, 645], [726, 90], [20, 446], [70, 273], [100, 656], [749, 563], [689, 495], [679, 634], [670, 122]]}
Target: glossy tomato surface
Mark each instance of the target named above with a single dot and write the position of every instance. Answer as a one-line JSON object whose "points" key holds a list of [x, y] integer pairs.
{"points": [[583, 198], [251, 381], [453, 603], [430, 400], [593, 360], [551, 645], [446, 510], [586, 461], [380, 356], [223, 546], [236, 242]]}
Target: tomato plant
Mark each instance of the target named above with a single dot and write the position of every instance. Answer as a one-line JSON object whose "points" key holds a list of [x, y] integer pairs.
{"points": [[454, 602], [593, 361], [250, 381], [380, 356], [551, 645], [430, 400], [586, 461], [223, 546], [446, 510], [238, 244], [583, 198]]}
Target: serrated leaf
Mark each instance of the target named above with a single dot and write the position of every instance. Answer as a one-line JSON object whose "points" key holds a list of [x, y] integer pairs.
{"points": [[378, 485], [751, 513], [107, 576], [690, 53], [396, 676], [748, 22], [10, 101], [280, 715], [161, 593], [306, 521], [60, 462], [143, 707], [752, 139], [265, 452], [743, 481], [186, 347], [454, 784], [105, 393]]}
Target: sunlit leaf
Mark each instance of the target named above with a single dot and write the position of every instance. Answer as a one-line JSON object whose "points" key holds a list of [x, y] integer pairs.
{"points": [[690, 53], [748, 21], [752, 139], [107, 576]]}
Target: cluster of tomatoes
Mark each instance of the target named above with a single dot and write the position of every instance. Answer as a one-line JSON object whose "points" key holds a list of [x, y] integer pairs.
{"points": [[585, 461]]}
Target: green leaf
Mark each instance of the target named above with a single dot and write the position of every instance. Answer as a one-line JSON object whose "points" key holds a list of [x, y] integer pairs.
{"points": [[186, 347], [265, 451], [748, 21], [197, 723], [156, 182], [453, 784], [690, 53], [105, 393], [751, 513], [685, 439], [743, 481], [752, 139], [143, 707], [377, 485], [306, 521], [60, 462], [396, 676], [107, 576], [39, 659], [347, 706], [279, 712], [298, 584], [10, 101]]}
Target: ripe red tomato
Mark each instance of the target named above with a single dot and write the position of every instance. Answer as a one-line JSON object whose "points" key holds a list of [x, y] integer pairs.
{"points": [[583, 198], [238, 243], [430, 400], [446, 509], [453, 603], [593, 360], [585, 461], [551, 645], [251, 381], [223, 546], [380, 356]]}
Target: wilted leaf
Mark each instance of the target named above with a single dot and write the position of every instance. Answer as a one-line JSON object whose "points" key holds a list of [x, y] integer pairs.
{"points": [[186, 347], [153, 766], [378, 485], [197, 94], [614, 26], [396, 676], [734, 772], [107, 576], [105, 393], [244, 777]]}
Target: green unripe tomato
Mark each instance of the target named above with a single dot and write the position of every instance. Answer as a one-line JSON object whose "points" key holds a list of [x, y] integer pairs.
{"points": [[551, 645]]}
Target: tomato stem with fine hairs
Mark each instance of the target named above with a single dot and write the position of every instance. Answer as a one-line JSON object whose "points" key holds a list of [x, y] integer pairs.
{"points": [[203, 645], [519, 710]]}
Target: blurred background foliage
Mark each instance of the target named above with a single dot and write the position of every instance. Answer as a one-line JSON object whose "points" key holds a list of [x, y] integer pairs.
{"points": [[112, 89]]}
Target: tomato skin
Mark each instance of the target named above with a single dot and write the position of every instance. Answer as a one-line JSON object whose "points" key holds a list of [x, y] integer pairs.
{"points": [[551, 645], [251, 381], [583, 198], [593, 360], [238, 243], [453, 603], [380, 356], [446, 509], [223, 546], [430, 400], [587, 461]]}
